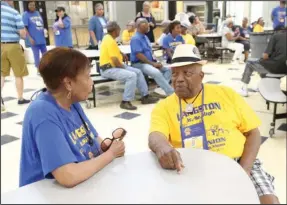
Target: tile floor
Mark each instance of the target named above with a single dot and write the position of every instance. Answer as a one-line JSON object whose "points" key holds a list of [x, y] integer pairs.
{"points": [[107, 116]]}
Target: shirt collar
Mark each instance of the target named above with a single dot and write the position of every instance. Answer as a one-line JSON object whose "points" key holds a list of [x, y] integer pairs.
{"points": [[140, 34]]}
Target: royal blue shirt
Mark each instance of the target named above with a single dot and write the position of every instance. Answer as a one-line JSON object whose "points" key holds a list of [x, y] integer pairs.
{"points": [[35, 25], [170, 42], [53, 137], [279, 16], [140, 44], [63, 36]]}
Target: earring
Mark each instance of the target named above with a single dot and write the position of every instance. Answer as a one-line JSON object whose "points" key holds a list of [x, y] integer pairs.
{"points": [[69, 95]]}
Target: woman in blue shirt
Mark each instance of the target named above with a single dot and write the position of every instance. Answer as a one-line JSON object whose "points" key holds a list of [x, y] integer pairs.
{"points": [[62, 29], [172, 40], [58, 140], [35, 31]]}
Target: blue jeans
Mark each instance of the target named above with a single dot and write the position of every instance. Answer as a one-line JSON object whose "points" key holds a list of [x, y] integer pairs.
{"points": [[161, 76], [133, 79], [36, 52]]}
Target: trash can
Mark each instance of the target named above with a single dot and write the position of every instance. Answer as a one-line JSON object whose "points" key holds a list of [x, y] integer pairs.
{"points": [[259, 42]]}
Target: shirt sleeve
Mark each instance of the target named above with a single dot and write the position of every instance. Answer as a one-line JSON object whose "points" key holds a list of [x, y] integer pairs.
{"points": [[271, 45], [165, 42], [159, 121], [67, 22], [53, 148], [92, 25], [19, 22], [136, 46], [248, 118]]}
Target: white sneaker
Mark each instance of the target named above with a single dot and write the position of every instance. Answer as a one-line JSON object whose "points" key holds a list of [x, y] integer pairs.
{"points": [[160, 91], [243, 92]]}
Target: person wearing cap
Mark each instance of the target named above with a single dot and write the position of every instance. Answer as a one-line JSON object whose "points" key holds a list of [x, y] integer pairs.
{"points": [[188, 39], [34, 25], [228, 41], [172, 39], [62, 29], [97, 27], [128, 33], [206, 116], [113, 67], [142, 58], [279, 15], [165, 31], [258, 28]]}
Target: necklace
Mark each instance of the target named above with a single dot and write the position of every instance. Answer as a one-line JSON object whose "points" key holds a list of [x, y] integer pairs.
{"points": [[189, 106]]}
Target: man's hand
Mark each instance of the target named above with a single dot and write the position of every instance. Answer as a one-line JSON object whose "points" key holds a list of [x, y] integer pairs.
{"points": [[169, 158], [126, 58], [32, 41], [265, 56], [157, 65], [151, 24]]}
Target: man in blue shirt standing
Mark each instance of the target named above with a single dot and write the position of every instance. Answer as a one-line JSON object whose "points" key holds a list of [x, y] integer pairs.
{"points": [[97, 27], [12, 55], [142, 58], [279, 15], [35, 31]]}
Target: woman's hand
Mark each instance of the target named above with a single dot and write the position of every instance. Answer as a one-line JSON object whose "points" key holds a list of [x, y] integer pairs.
{"points": [[117, 149]]}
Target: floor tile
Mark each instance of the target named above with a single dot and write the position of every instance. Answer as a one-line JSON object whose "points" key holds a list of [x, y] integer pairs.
{"points": [[207, 73], [127, 115], [7, 139], [236, 79], [8, 99], [263, 139], [213, 82], [283, 127], [6, 115], [28, 90], [233, 68], [20, 123], [106, 93]]}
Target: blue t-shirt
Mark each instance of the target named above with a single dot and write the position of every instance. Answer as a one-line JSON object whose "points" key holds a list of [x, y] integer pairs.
{"points": [[63, 36], [279, 16], [53, 137], [35, 26], [170, 42], [140, 44], [96, 26]]}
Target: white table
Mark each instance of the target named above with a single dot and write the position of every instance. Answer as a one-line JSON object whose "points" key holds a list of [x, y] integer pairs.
{"points": [[210, 35], [207, 178], [96, 53]]}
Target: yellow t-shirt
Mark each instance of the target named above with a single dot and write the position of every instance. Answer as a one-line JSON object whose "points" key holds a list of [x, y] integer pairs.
{"points": [[258, 28], [109, 49], [226, 117], [127, 36], [188, 39]]}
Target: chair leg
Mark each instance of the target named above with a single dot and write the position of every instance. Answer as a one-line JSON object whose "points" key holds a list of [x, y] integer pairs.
{"points": [[268, 105], [272, 129], [94, 95]]}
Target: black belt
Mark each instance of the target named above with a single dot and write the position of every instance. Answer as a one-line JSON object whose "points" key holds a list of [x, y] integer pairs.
{"points": [[12, 42], [106, 67]]}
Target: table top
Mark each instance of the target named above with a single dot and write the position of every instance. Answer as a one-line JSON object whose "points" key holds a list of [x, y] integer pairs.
{"points": [[210, 35], [208, 177], [96, 53]]}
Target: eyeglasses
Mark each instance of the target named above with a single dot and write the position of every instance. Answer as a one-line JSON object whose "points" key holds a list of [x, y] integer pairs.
{"points": [[118, 134]]}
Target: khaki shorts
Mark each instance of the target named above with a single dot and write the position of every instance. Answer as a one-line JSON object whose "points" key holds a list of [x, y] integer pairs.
{"points": [[12, 56]]}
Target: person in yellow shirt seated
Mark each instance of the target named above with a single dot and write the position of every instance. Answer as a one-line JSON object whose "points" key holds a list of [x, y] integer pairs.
{"points": [[188, 39], [258, 28], [206, 116], [128, 33], [113, 67]]}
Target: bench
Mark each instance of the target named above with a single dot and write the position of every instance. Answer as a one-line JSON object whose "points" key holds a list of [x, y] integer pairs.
{"points": [[269, 89]]}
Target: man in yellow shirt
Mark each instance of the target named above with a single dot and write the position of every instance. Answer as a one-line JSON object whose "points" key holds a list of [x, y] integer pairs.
{"points": [[128, 33], [258, 28], [112, 66], [188, 39], [210, 117]]}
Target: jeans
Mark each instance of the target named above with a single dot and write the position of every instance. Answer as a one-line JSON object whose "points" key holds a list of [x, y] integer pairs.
{"points": [[133, 79], [250, 67], [36, 52], [161, 76]]}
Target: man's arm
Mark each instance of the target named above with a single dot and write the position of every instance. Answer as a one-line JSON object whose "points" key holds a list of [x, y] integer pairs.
{"points": [[270, 47], [117, 63], [92, 33], [22, 33], [251, 148], [156, 141]]}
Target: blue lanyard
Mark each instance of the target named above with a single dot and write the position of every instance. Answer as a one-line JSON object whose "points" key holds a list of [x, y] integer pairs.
{"points": [[202, 121]]}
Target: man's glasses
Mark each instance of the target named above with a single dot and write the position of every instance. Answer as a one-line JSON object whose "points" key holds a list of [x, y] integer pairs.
{"points": [[117, 134]]}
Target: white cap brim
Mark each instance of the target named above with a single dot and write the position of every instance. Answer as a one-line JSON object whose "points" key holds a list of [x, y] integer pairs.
{"points": [[179, 64]]}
